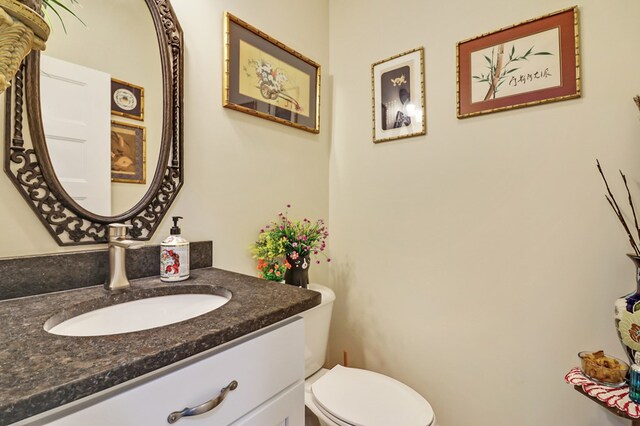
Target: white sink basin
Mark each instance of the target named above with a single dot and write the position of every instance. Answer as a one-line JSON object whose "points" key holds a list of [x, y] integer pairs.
{"points": [[139, 315]]}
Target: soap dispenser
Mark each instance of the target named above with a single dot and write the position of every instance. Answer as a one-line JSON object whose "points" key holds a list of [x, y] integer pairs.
{"points": [[174, 255]]}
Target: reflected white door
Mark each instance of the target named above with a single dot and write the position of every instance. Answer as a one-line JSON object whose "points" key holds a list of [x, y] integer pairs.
{"points": [[76, 111]]}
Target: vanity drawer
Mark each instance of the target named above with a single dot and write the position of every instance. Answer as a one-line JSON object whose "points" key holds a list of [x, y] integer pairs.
{"points": [[286, 409], [263, 367]]}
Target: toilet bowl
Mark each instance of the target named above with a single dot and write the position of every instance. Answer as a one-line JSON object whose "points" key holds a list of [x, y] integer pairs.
{"points": [[346, 396]]}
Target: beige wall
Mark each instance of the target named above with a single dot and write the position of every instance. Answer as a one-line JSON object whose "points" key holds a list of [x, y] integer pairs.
{"points": [[240, 170], [474, 263]]}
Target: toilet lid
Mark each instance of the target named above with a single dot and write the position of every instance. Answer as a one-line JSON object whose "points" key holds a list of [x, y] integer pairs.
{"points": [[364, 398]]}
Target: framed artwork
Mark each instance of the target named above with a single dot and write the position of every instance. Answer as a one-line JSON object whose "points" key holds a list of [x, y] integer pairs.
{"points": [[397, 86], [127, 100], [265, 78], [128, 153], [526, 64]]}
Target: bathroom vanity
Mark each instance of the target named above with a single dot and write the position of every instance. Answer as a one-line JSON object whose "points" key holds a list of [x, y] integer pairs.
{"points": [[141, 378]]}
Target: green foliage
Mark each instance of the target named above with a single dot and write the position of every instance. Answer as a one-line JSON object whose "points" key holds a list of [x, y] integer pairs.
{"points": [[54, 5]]}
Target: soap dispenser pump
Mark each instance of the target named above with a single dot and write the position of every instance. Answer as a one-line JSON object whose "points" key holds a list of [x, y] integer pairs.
{"points": [[174, 255]]}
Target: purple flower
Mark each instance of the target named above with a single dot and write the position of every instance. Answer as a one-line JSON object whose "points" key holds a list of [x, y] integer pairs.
{"points": [[294, 244]]}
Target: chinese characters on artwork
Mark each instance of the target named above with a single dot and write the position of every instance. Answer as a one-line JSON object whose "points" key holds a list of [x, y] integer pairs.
{"points": [[529, 77]]}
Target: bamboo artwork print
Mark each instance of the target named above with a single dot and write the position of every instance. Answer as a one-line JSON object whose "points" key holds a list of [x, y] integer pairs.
{"points": [[526, 64], [520, 72]]}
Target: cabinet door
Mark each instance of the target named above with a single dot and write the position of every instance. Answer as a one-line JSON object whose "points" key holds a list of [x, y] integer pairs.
{"points": [[262, 366], [286, 409]]}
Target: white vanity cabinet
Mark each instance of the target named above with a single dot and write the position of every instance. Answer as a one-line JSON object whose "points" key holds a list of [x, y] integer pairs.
{"points": [[267, 365]]}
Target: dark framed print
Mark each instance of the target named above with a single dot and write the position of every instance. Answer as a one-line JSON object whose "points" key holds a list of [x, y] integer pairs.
{"points": [[265, 78], [397, 87], [526, 64], [128, 153], [127, 100]]}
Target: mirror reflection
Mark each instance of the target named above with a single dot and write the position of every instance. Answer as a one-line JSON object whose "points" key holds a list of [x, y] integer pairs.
{"points": [[102, 103]]}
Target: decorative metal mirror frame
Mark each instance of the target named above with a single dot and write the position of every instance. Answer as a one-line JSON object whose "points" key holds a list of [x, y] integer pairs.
{"points": [[31, 170]]}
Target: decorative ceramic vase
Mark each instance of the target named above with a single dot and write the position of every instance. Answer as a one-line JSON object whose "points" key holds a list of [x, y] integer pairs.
{"points": [[627, 317], [298, 274], [21, 30]]}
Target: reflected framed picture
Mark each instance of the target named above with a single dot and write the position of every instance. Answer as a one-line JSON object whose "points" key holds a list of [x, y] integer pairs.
{"points": [[267, 79], [128, 153], [127, 100], [525, 64], [397, 86]]}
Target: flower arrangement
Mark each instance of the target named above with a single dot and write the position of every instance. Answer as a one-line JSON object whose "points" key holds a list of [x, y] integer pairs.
{"points": [[285, 244], [273, 269]]}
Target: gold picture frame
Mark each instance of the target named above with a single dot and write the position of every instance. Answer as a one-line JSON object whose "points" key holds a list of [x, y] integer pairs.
{"points": [[398, 97], [530, 63], [128, 153], [267, 79]]}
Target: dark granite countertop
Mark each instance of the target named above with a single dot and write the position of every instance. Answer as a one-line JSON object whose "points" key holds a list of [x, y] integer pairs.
{"points": [[40, 371]]}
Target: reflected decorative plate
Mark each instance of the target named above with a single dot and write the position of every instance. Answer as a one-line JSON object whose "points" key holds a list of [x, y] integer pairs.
{"points": [[125, 99]]}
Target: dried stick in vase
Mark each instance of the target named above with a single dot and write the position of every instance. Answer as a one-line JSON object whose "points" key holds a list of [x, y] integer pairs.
{"points": [[624, 224], [616, 209], [633, 210]]}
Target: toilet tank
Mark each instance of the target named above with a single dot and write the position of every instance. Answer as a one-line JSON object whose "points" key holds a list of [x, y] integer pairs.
{"points": [[316, 330]]}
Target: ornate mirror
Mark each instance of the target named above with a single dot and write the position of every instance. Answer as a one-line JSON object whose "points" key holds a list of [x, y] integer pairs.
{"points": [[103, 139]]}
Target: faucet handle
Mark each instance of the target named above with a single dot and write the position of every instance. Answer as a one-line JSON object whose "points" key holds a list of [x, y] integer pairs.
{"points": [[118, 230]]}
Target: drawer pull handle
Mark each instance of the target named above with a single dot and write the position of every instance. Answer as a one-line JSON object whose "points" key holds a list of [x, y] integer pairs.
{"points": [[203, 408]]}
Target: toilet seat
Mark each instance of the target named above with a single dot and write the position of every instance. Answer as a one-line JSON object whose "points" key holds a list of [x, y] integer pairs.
{"points": [[354, 397]]}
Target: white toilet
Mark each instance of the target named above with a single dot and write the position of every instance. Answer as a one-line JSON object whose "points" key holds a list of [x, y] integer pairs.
{"points": [[351, 396]]}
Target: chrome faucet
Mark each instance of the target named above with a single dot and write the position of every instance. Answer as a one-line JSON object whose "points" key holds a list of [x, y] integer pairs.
{"points": [[118, 244]]}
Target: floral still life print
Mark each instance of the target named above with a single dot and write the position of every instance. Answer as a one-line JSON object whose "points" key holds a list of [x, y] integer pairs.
{"points": [[276, 82]]}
